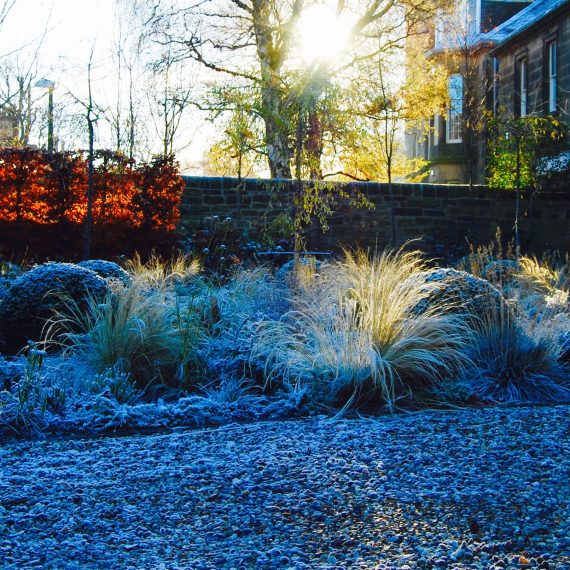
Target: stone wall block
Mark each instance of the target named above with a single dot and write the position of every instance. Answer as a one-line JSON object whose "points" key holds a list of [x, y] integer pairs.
{"points": [[426, 210]]}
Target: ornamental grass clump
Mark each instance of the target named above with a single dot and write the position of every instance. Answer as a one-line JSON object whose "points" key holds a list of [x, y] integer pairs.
{"points": [[355, 338], [139, 331], [514, 363], [32, 393], [250, 294], [544, 283], [115, 382], [158, 273]]}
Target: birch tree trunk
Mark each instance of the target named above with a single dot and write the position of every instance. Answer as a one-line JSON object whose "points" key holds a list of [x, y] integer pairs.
{"points": [[274, 104]]}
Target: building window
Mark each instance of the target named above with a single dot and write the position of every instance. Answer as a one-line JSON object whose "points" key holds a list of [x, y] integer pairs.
{"points": [[439, 39], [455, 112], [552, 77], [521, 91]]}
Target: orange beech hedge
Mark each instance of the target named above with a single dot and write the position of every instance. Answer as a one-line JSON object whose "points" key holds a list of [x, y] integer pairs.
{"points": [[43, 203]]}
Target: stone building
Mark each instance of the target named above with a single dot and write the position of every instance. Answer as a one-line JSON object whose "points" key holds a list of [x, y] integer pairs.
{"points": [[500, 55], [532, 51]]}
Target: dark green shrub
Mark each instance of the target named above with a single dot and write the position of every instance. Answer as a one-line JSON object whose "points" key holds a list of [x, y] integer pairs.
{"points": [[458, 292], [35, 295], [107, 270]]}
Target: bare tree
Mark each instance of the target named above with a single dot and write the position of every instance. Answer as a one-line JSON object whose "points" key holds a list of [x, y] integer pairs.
{"points": [[157, 88], [170, 94], [125, 115], [17, 104], [90, 113], [18, 74], [5, 9], [256, 41]]}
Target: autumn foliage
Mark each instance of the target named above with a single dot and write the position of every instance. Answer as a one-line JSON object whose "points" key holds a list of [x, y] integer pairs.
{"points": [[43, 196]]}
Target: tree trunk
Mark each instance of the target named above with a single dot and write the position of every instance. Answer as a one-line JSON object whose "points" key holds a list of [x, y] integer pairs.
{"points": [[517, 198], [88, 235], [274, 106], [298, 190], [90, 187], [314, 144], [131, 118], [392, 208], [277, 136]]}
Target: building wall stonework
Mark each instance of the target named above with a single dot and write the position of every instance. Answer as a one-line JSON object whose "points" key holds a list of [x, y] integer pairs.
{"points": [[498, 90], [532, 47], [436, 214]]}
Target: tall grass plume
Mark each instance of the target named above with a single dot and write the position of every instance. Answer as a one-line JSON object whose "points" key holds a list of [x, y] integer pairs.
{"points": [[356, 337]]}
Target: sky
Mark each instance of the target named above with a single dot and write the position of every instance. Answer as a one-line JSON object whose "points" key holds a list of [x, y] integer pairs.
{"points": [[70, 30], [71, 27]]}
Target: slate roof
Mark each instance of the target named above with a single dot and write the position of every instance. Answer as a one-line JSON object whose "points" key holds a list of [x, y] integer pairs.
{"points": [[522, 21]]}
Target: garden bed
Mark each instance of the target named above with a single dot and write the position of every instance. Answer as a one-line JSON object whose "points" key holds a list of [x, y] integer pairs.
{"points": [[96, 348]]}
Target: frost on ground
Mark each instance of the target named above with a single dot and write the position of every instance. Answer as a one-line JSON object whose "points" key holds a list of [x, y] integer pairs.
{"points": [[464, 489]]}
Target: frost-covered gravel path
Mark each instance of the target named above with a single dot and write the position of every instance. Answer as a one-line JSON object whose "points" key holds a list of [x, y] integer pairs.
{"points": [[467, 489]]}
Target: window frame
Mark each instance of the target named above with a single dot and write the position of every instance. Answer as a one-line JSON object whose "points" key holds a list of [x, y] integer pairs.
{"points": [[454, 119], [552, 76], [521, 86], [496, 63]]}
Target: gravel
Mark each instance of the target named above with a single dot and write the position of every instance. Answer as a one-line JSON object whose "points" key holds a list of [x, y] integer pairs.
{"points": [[486, 488]]}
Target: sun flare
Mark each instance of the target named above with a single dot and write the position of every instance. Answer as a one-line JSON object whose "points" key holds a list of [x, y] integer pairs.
{"points": [[322, 34]]}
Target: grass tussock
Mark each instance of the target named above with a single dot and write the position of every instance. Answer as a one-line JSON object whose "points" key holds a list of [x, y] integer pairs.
{"points": [[514, 363], [356, 338], [31, 394], [158, 273], [142, 332], [231, 316], [542, 290], [544, 278]]}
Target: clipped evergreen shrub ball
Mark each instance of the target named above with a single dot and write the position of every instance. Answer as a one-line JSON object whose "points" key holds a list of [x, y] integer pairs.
{"points": [[458, 292], [34, 295], [107, 270]]}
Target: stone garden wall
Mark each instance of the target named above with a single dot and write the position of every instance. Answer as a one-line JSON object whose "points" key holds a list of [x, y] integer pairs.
{"points": [[440, 214]]}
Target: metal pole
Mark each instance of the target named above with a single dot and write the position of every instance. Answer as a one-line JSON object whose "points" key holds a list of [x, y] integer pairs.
{"points": [[50, 120]]}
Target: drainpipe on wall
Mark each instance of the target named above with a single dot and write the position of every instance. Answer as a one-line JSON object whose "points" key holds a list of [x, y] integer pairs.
{"points": [[495, 85]]}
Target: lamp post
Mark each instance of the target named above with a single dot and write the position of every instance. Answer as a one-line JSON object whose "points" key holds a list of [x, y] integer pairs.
{"points": [[49, 85]]}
